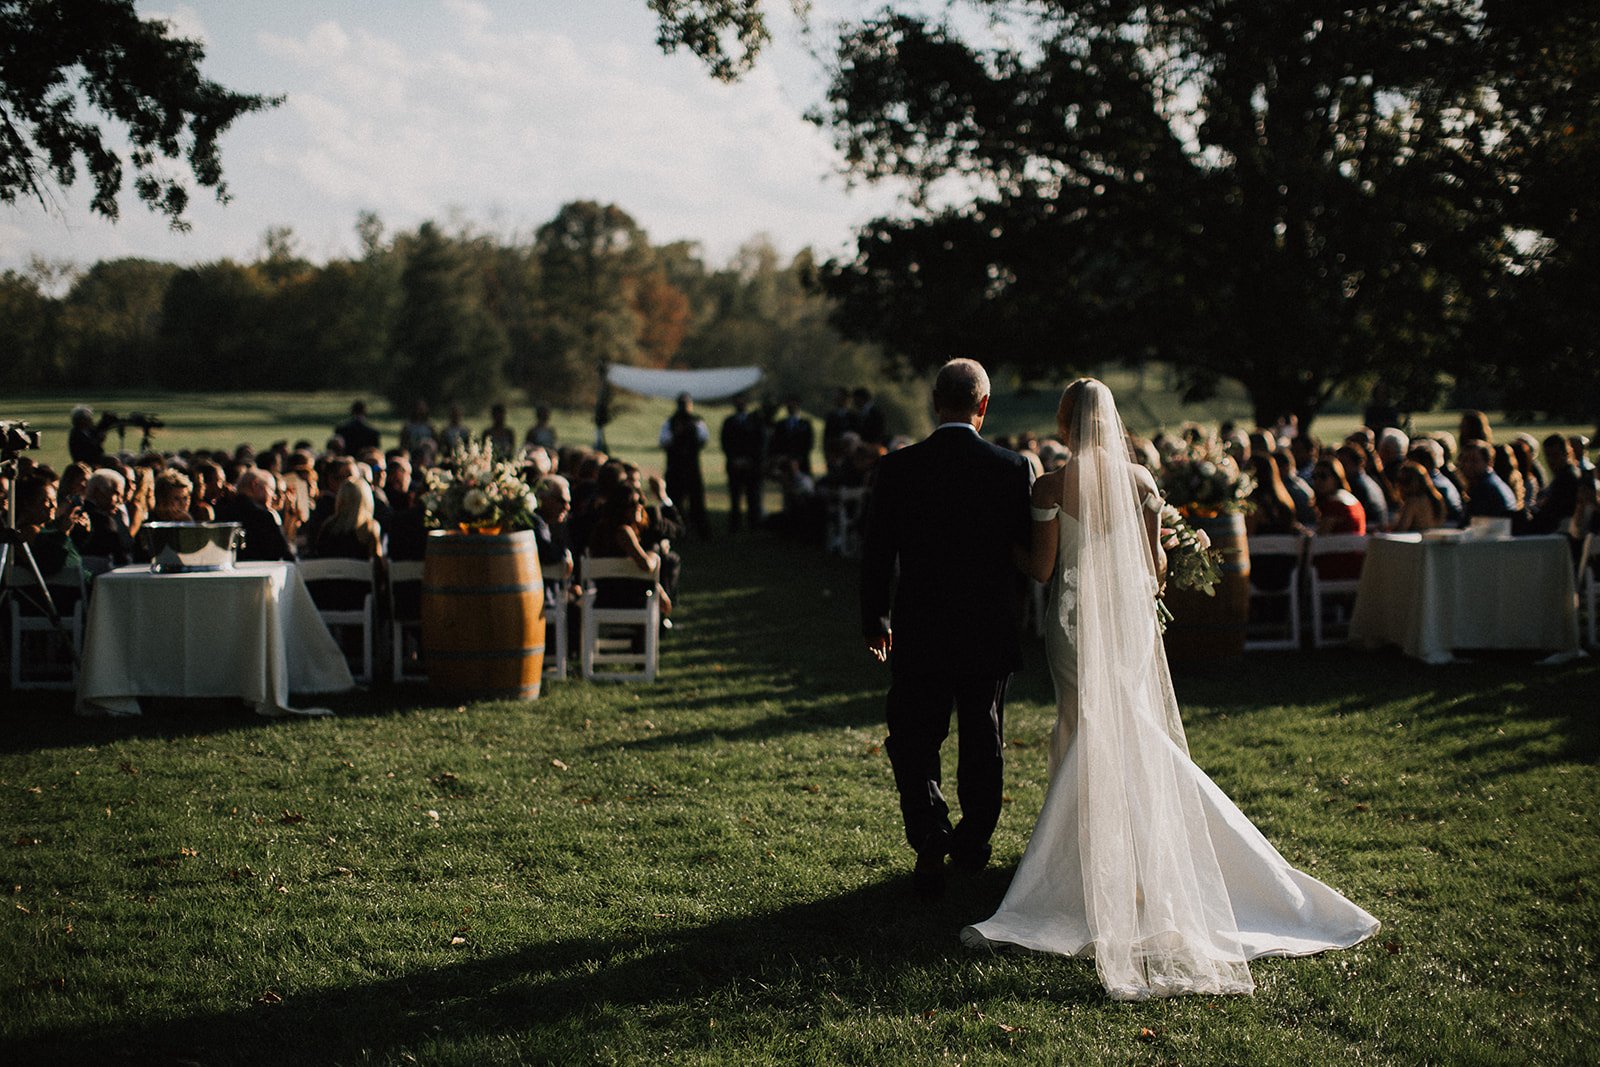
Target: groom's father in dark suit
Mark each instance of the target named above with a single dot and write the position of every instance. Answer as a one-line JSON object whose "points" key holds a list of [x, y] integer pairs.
{"points": [[952, 512]]}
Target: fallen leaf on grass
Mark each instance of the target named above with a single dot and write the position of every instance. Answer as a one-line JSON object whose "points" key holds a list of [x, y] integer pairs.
{"points": [[270, 997], [558, 765], [188, 853], [35, 789], [930, 1013], [1392, 947], [24, 911], [24, 841], [458, 940], [813, 788], [1363, 807], [290, 818], [129, 769], [1147, 1034], [1005, 1029]]}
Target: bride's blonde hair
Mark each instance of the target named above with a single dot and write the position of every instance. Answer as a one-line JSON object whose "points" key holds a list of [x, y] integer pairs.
{"points": [[1069, 403]]}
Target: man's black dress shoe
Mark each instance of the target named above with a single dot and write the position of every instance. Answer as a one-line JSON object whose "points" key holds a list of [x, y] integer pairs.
{"points": [[928, 876], [972, 860]]}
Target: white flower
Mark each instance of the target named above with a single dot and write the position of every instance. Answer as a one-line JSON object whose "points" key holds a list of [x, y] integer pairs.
{"points": [[1207, 469], [476, 502], [1203, 538]]}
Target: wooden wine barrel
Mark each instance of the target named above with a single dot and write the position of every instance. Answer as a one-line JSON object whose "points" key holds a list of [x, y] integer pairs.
{"points": [[483, 615], [1213, 627]]}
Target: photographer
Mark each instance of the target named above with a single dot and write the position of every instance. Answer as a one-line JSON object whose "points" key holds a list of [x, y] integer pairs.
{"points": [[86, 441]]}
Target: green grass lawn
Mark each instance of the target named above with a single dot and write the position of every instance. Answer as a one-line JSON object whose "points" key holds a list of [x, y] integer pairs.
{"points": [[710, 869]]}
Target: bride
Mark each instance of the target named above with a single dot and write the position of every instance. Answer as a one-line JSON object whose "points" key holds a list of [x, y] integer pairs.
{"points": [[1137, 859]]}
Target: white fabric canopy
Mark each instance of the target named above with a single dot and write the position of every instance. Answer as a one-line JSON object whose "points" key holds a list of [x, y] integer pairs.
{"points": [[700, 384]]}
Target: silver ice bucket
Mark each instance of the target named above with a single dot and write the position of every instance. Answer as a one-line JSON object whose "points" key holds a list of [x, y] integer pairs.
{"points": [[175, 547]]}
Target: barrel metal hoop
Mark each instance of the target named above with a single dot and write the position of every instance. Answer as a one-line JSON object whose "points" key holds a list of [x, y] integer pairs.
{"points": [[482, 590], [486, 653]]}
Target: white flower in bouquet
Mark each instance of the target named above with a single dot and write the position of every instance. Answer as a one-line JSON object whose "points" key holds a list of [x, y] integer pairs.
{"points": [[476, 502], [1202, 539]]}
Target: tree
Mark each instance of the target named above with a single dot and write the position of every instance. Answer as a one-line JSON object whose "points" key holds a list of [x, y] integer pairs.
{"points": [[590, 257], [445, 345], [1299, 195], [58, 54]]}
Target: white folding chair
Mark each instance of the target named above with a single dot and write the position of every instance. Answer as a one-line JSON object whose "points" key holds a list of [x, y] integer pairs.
{"points": [[405, 578], [1264, 547], [555, 623], [1322, 588], [605, 649], [313, 571], [1589, 583], [844, 521], [28, 617]]}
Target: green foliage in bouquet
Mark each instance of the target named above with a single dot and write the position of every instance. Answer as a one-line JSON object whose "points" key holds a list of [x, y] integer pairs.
{"points": [[1192, 563], [470, 490], [1201, 480]]}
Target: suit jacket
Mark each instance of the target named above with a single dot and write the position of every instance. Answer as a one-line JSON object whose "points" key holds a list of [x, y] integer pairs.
{"points": [[263, 537], [794, 439], [949, 511]]}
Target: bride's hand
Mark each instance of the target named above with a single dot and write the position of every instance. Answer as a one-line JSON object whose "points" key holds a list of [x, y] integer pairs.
{"points": [[880, 646]]}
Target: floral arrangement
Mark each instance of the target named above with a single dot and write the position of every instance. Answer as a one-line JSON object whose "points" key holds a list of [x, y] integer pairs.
{"points": [[472, 491], [1191, 561], [1202, 480]]}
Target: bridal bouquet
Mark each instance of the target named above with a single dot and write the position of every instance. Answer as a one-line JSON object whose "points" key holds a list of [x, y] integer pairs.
{"points": [[473, 492], [1201, 480], [1192, 563]]}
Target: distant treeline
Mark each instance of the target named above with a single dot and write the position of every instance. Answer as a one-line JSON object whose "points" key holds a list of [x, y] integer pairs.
{"points": [[435, 315]]}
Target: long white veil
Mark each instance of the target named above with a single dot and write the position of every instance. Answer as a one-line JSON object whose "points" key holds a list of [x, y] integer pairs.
{"points": [[1157, 906]]}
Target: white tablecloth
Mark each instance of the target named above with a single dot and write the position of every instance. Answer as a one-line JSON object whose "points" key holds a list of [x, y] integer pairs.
{"points": [[252, 632], [1433, 596]]}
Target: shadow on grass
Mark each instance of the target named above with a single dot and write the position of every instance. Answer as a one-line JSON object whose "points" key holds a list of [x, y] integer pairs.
{"points": [[862, 950], [1461, 703]]}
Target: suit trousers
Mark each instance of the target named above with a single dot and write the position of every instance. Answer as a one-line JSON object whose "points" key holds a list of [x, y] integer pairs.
{"points": [[919, 708]]}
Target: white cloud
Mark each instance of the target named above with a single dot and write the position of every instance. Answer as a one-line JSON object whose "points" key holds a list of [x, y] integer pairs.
{"points": [[500, 114]]}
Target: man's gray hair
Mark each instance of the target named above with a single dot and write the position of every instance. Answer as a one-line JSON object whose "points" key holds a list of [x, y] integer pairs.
{"points": [[250, 476], [106, 478], [960, 385], [1396, 439], [551, 484]]}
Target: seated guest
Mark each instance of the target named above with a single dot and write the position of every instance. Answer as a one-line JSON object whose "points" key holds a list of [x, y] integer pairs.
{"points": [[337, 471], [74, 484], [208, 491], [1580, 451], [1475, 427], [350, 532], [1421, 503], [1353, 458], [45, 529], [1487, 495], [1526, 448], [397, 487], [555, 552], [1305, 449], [1555, 505], [172, 493], [1305, 507], [1339, 512], [1504, 462], [140, 500], [106, 541], [1273, 513], [1429, 455], [616, 533], [251, 507]]}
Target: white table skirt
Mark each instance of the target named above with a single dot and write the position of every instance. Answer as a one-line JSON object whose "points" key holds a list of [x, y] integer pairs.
{"points": [[1431, 597], [252, 632]]}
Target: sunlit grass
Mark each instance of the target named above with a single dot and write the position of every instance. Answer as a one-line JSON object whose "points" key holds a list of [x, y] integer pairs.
{"points": [[710, 869]]}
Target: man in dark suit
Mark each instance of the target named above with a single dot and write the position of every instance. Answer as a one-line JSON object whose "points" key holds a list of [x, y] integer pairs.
{"points": [[869, 418], [251, 507], [356, 432], [793, 437], [744, 448], [952, 512]]}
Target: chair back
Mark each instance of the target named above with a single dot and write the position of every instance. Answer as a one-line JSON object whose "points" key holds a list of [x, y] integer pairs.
{"points": [[335, 570], [591, 568]]}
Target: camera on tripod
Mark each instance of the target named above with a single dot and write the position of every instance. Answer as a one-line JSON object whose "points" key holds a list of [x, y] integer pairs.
{"points": [[139, 420], [17, 437]]}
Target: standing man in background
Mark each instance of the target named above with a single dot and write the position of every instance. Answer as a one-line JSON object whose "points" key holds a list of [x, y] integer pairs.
{"points": [[683, 436], [744, 447]]}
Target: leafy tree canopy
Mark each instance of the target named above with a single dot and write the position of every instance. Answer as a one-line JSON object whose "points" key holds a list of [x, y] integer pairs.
{"points": [[62, 58]]}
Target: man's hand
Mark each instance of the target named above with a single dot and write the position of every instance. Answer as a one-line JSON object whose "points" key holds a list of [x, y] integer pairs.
{"points": [[880, 646]]}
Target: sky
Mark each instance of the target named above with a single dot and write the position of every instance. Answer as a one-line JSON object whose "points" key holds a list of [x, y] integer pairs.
{"points": [[488, 113]]}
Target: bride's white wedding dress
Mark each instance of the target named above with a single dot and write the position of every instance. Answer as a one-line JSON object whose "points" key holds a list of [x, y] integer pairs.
{"points": [[1138, 859]]}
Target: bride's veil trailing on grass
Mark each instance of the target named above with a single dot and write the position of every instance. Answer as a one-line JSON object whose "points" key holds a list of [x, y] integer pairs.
{"points": [[1157, 905]]}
